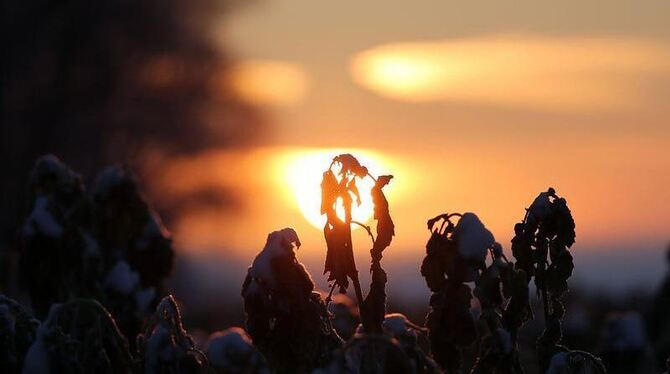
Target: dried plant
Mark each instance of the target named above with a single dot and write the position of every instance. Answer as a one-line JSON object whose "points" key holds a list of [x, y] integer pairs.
{"points": [[232, 352], [287, 320], [107, 244], [165, 346], [541, 247], [456, 253], [337, 232], [59, 258], [18, 329], [79, 336]]}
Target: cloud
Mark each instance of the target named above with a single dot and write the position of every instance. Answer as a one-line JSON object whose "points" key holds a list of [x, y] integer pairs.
{"points": [[571, 74], [269, 83]]}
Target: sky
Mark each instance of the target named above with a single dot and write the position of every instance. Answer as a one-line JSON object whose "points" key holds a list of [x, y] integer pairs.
{"points": [[472, 106]]}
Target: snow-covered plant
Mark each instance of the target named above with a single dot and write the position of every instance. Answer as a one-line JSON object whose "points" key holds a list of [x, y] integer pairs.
{"points": [[127, 228], [345, 315], [18, 329], [108, 245], [541, 248], [407, 335], [369, 354], [165, 346], [231, 352], [79, 336], [287, 320], [136, 248], [342, 189], [59, 258], [448, 264]]}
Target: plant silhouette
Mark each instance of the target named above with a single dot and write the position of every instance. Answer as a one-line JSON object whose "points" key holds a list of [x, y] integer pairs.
{"points": [[286, 318], [341, 189], [457, 252]]}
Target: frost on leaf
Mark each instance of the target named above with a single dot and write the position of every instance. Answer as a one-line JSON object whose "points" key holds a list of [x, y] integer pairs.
{"points": [[287, 320]]}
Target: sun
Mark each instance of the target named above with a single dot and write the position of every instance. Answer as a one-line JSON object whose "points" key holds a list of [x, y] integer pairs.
{"points": [[303, 170]]}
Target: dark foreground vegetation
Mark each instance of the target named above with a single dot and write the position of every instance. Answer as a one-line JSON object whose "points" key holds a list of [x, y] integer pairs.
{"points": [[93, 262]]}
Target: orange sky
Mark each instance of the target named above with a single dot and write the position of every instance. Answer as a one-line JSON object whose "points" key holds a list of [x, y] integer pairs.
{"points": [[473, 106]]}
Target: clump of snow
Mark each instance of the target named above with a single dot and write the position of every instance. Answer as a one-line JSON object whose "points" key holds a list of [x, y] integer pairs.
{"points": [[400, 327], [497, 250], [624, 332], [49, 166], [108, 178], [541, 206], [160, 347], [7, 321], [122, 279], [504, 340], [473, 237], [345, 315], [232, 351], [279, 243], [91, 247], [558, 364], [41, 221], [38, 360], [153, 228], [144, 298], [396, 324]]}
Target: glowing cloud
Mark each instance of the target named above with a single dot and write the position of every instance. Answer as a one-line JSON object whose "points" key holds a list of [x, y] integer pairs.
{"points": [[545, 73], [269, 82]]}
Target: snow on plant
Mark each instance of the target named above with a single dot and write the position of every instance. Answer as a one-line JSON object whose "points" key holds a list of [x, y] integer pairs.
{"points": [[287, 320], [108, 245], [541, 247], [407, 334], [457, 253], [447, 266], [128, 229], [18, 329], [231, 351], [165, 346], [345, 315], [59, 260], [78, 336]]}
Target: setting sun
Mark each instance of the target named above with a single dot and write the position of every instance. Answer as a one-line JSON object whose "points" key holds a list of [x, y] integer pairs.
{"points": [[303, 171]]}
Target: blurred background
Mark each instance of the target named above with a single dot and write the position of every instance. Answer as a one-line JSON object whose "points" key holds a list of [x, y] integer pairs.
{"points": [[228, 112]]}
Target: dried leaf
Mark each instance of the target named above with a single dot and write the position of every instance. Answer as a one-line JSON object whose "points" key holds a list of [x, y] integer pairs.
{"points": [[385, 226], [350, 165]]}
